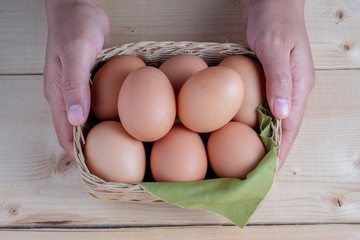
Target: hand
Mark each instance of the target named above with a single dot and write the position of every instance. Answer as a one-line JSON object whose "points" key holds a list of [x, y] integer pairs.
{"points": [[276, 32], [77, 31]]}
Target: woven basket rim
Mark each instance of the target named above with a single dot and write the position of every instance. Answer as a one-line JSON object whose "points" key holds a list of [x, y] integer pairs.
{"points": [[153, 53]]}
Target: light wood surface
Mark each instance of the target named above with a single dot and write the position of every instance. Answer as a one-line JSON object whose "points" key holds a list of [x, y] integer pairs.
{"points": [[316, 195], [331, 26], [314, 232]]}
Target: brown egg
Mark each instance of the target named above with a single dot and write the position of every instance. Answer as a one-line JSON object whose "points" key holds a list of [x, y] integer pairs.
{"points": [[107, 83], [181, 67], [113, 155], [179, 156], [146, 104], [254, 84], [210, 98], [234, 150]]}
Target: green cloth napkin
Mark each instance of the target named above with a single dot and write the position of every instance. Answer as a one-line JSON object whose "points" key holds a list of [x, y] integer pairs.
{"points": [[232, 198]]}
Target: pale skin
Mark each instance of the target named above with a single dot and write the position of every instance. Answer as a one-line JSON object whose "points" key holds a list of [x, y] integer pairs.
{"points": [[275, 31], [77, 31]]}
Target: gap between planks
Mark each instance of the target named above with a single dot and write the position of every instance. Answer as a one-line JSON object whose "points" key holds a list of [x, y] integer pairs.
{"points": [[290, 232]]}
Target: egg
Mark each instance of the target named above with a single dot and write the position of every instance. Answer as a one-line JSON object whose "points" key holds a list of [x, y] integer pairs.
{"points": [[181, 67], [179, 156], [146, 104], [107, 83], [254, 85], [234, 150], [113, 155], [210, 98]]}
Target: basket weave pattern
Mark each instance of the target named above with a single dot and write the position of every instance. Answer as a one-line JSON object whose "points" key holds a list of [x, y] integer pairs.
{"points": [[153, 54]]}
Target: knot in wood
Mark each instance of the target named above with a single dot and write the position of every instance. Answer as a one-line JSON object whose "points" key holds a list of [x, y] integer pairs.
{"points": [[346, 47], [334, 200], [64, 164], [13, 209], [339, 16]]}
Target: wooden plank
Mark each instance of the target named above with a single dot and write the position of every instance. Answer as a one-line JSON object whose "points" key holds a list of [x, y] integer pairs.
{"points": [[291, 232], [318, 184], [23, 36], [326, 154], [185, 20], [334, 40], [332, 27]]}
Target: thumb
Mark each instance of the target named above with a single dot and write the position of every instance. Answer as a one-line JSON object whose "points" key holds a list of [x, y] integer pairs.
{"points": [[76, 67], [276, 64]]}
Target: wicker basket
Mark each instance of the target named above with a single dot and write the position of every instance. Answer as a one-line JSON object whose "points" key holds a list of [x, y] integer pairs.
{"points": [[153, 54]]}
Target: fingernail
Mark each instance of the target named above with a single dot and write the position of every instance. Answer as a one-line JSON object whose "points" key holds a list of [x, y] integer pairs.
{"points": [[281, 107], [75, 114]]}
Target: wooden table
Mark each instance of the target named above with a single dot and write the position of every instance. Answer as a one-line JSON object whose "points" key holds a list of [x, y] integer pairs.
{"points": [[316, 195]]}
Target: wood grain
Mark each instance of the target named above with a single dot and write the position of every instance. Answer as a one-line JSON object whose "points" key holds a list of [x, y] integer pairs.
{"points": [[39, 186], [332, 27], [23, 36], [292, 232], [316, 195]]}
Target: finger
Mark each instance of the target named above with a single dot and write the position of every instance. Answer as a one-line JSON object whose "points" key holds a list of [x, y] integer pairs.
{"points": [[106, 28], [64, 130], [52, 92], [76, 65], [278, 79], [303, 73], [290, 129]]}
